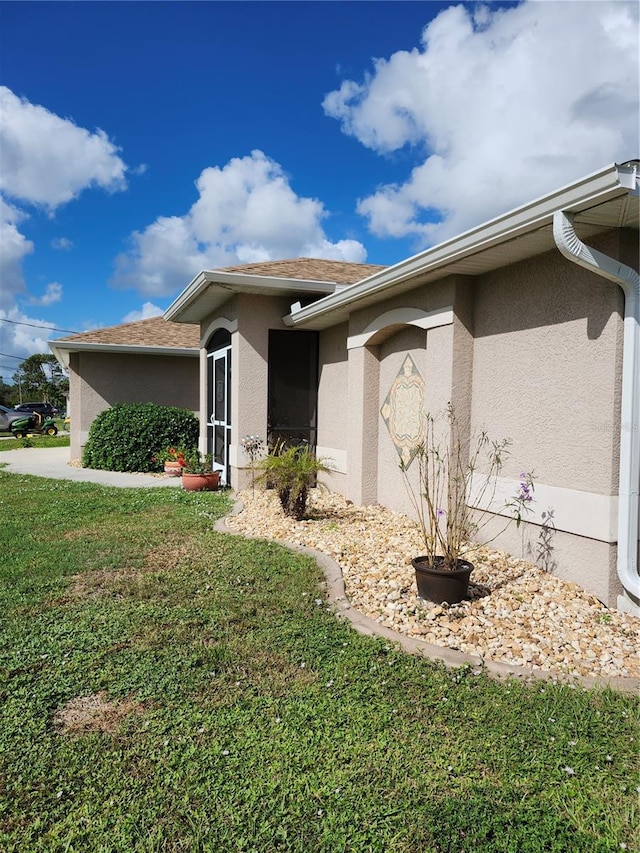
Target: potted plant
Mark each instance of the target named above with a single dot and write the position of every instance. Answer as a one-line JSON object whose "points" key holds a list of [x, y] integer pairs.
{"points": [[292, 472], [197, 474], [172, 459], [446, 503]]}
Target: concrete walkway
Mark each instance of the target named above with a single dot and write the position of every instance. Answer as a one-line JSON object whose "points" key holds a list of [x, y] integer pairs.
{"points": [[53, 462]]}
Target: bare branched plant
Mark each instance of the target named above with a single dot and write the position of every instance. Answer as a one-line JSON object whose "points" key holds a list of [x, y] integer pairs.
{"points": [[447, 500]]}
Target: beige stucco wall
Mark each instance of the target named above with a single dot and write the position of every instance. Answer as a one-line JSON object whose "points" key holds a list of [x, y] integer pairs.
{"points": [[533, 354], [253, 316], [439, 353], [547, 360], [100, 380], [74, 406], [333, 402], [437, 375], [588, 562], [546, 374], [373, 474]]}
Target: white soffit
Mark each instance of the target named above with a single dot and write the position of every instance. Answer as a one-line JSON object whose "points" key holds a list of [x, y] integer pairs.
{"points": [[599, 201], [63, 349], [211, 289]]}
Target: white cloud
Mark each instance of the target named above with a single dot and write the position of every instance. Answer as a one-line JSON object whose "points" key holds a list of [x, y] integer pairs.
{"points": [[246, 211], [22, 335], [147, 311], [500, 108], [48, 160], [13, 248], [62, 244], [53, 293], [162, 257]]}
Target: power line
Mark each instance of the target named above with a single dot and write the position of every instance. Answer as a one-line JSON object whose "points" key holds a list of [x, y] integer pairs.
{"points": [[17, 357], [38, 326]]}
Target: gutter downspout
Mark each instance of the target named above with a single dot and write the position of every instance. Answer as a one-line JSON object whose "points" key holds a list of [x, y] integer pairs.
{"points": [[628, 279]]}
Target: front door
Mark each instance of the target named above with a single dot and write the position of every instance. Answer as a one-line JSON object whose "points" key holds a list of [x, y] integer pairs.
{"points": [[219, 402], [293, 387]]}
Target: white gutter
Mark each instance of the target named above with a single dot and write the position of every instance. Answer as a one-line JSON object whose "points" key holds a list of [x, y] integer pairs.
{"points": [[63, 349], [234, 282], [628, 279], [598, 187]]}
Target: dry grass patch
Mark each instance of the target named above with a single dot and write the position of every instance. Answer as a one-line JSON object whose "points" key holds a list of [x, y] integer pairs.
{"points": [[101, 582], [168, 555], [164, 557], [94, 713], [81, 533], [277, 671]]}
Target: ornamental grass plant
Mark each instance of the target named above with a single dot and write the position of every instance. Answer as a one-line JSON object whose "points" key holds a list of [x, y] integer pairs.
{"points": [[292, 471]]}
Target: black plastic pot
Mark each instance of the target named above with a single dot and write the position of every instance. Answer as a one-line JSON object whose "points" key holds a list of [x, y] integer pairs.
{"points": [[435, 583]]}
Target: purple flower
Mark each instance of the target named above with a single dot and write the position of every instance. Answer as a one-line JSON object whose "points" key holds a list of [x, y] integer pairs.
{"points": [[441, 513], [524, 494]]}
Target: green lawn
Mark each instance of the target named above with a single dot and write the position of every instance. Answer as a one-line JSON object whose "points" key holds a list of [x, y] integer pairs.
{"points": [[251, 719], [37, 441]]}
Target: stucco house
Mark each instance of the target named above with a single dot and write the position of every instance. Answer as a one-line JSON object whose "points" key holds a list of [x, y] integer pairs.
{"points": [[148, 361], [527, 324]]}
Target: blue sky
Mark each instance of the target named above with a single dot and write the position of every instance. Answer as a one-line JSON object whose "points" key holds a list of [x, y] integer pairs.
{"points": [[141, 142]]}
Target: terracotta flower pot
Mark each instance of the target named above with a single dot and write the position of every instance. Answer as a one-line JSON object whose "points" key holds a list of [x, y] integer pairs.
{"points": [[435, 583], [173, 469], [208, 482]]}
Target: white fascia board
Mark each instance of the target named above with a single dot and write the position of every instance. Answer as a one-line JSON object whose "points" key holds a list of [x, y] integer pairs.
{"points": [[191, 292], [235, 282], [62, 355], [593, 189], [62, 350], [243, 281]]}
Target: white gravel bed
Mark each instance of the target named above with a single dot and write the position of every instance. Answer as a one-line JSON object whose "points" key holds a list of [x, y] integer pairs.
{"points": [[518, 614]]}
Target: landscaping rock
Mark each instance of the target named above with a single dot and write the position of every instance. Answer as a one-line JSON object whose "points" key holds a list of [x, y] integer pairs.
{"points": [[519, 615]]}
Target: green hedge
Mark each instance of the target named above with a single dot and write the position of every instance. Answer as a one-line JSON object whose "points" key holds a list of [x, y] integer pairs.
{"points": [[128, 436]]}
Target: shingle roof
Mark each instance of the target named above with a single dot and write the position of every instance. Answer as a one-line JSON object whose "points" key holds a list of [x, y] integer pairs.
{"points": [[309, 269], [156, 332]]}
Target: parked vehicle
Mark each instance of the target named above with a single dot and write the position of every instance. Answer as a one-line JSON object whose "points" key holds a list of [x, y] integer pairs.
{"points": [[43, 408], [8, 417], [33, 423]]}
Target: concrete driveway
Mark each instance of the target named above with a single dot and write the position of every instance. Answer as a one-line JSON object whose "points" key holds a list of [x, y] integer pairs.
{"points": [[53, 462]]}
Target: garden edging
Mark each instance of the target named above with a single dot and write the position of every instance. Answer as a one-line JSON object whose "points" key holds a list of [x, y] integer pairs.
{"points": [[450, 657]]}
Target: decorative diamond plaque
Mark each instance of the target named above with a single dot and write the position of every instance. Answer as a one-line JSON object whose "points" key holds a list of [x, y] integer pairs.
{"points": [[402, 411]]}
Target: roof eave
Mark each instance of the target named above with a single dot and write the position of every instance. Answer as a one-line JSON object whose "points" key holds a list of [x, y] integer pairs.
{"points": [[600, 186], [232, 282], [63, 349]]}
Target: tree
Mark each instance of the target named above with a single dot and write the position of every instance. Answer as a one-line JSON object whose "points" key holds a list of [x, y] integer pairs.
{"points": [[42, 379], [6, 394]]}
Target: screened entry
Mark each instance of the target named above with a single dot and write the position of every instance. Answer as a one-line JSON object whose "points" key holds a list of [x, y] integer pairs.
{"points": [[293, 387], [219, 401]]}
